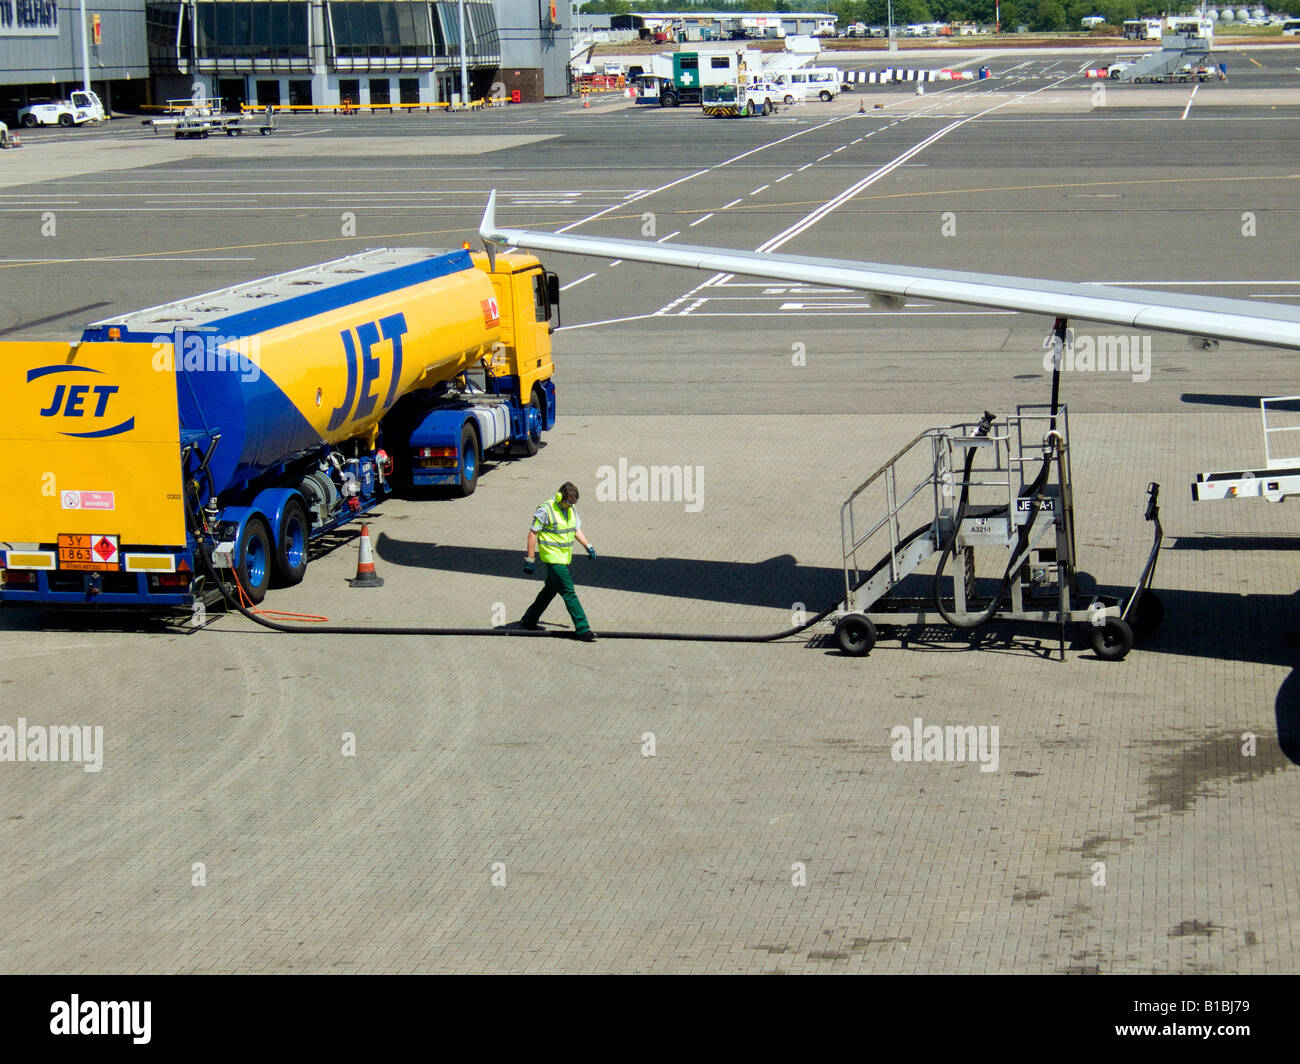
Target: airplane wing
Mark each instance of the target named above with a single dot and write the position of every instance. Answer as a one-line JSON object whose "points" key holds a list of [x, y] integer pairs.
{"points": [[1210, 317]]}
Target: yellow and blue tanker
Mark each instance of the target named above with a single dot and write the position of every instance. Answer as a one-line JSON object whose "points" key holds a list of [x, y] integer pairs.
{"points": [[213, 438]]}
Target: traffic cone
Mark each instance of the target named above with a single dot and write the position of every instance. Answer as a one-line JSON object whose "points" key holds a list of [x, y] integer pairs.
{"points": [[366, 575], [586, 100], [862, 107]]}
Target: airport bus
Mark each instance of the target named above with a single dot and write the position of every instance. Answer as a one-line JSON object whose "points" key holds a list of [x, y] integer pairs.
{"points": [[1291, 28]]}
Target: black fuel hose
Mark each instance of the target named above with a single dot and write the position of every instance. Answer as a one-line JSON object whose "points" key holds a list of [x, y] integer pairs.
{"points": [[987, 614], [355, 629]]}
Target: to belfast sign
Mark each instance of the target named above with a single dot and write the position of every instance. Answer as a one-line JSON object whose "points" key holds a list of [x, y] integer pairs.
{"points": [[29, 18]]}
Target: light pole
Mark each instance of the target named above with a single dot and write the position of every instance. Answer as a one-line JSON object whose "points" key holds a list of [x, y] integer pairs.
{"points": [[464, 61], [893, 45], [85, 50]]}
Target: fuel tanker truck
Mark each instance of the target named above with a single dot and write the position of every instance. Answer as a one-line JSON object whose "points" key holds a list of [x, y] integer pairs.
{"points": [[210, 440]]}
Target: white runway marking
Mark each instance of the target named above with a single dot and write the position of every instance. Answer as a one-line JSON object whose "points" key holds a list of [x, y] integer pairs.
{"points": [[573, 284], [815, 216], [141, 258], [759, 189], [1189, 102], [705, 219]]}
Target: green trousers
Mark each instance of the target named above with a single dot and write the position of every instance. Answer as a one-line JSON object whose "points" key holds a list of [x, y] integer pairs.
{"points": [[558, 582]]}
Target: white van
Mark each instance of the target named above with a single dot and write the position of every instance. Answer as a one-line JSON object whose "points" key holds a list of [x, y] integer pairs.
{"points": [[823, 82]]}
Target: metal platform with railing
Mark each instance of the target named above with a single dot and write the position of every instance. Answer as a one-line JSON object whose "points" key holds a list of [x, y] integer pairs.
{"points": [[995, 488]]}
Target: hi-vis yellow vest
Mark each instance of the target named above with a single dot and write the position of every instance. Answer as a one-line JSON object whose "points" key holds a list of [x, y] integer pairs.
{"points": [[555, 540]]}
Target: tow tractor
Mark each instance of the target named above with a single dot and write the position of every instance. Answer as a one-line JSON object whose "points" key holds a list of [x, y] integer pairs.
{"points": [[1280, 476], [1020, 468]]}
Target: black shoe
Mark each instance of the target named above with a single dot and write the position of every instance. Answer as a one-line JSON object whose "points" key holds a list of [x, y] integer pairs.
{"points": [[587, 636], [525, 626]]}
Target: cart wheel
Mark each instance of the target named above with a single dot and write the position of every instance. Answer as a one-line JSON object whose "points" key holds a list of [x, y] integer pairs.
{"points": [[1147, 613], [1113, 640], [855, 634]]}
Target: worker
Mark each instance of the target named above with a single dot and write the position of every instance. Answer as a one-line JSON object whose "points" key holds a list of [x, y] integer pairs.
{"points": [[555, 526]]}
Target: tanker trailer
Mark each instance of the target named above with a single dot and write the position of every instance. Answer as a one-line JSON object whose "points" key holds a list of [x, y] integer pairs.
{"points": [[211, 439]]}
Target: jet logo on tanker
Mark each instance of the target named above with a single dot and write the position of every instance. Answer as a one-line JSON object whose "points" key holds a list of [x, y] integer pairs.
{"points": [[363, 363], [88, 401]]}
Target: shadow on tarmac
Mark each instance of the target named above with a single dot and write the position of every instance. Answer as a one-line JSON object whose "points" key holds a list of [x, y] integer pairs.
{"points": [[1261, 629], [778, 582]]}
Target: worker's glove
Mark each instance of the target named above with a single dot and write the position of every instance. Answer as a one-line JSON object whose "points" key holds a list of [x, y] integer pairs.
{"points": [[591, 552], [530, 564]]}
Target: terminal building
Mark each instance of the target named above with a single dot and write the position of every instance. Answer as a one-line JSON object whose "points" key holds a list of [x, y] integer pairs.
{"points": [[283, 52]]}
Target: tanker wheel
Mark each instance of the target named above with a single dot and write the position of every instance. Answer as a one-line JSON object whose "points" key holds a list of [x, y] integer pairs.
{"points": [[532, 444], [291, 545], [855, 634], [1112, 640], [471, 457], [256, 551]]}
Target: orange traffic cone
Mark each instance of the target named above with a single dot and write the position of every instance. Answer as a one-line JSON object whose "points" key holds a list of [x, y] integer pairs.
{"points": [[366, 575]]}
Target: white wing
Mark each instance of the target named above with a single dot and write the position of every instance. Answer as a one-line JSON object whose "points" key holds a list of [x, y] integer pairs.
{"points": [[1208, 316]]}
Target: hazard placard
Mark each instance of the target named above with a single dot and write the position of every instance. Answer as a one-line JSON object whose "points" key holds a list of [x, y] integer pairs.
{"points": [[83, 552]]}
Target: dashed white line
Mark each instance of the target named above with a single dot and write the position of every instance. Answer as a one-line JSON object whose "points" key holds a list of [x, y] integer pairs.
{"points": [[574, 284], [840, 149], [705, 218], [826, 156], [668, 237], [780, 179], [1189, 100], [804, 167], [733, 203], [759, 189]]}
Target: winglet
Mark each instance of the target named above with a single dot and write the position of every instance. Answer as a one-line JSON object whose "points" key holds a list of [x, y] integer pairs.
{"points": [[489, 222], [485, 228]]}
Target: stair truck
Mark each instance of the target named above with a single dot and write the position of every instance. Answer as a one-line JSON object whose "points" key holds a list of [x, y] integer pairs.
{"points": [[179, 449]]}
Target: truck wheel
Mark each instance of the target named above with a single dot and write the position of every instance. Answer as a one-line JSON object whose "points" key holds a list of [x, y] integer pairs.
{"points": [[855, 634], [471, 457], [31, 121], [255, 553], [532, 444], [824, 96], [668, 99], [65, 120], [749, 108], [1113, 640], [291, 546], [789, 100]]}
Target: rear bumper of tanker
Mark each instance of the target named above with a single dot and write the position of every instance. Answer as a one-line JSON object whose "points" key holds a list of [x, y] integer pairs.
{"points": [[99, 589]]}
